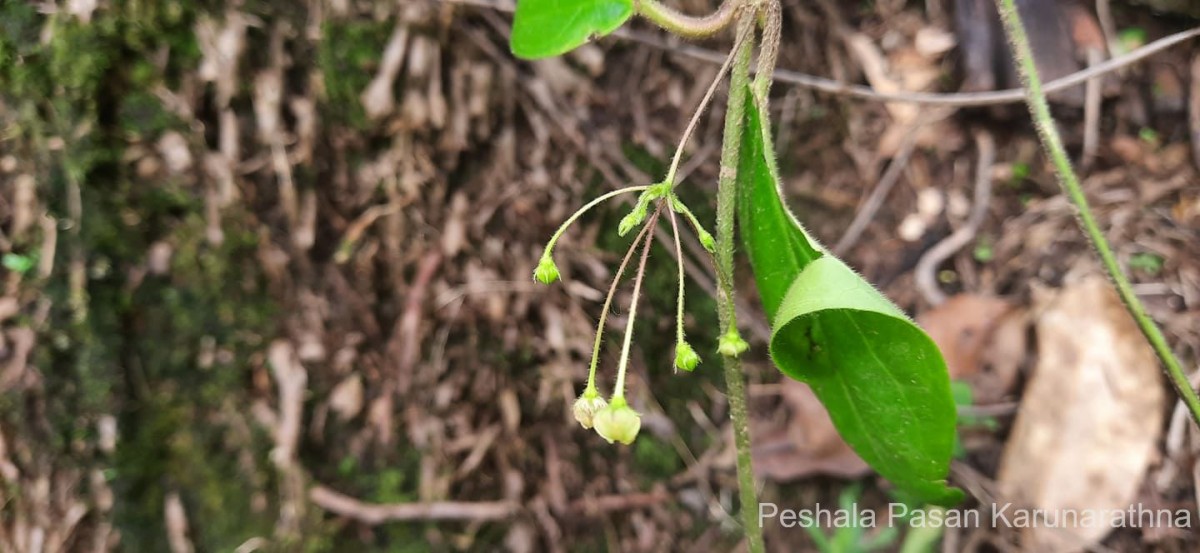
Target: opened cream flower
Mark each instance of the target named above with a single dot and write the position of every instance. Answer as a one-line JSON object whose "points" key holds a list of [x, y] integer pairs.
{"points": [[618, 422], [587, 406]]}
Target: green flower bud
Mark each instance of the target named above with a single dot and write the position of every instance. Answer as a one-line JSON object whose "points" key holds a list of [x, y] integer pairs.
{"points": [[618, 422], [707, 241], [587, 406], [631, 221], [732, 344], [685, 357], [705, 238], [546, 271]]}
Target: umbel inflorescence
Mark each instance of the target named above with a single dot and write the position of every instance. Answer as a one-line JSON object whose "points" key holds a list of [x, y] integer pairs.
{"points": [[614, 419]]}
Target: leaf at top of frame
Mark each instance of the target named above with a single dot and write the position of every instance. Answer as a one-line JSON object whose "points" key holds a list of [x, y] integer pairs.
{"points": [[548, 28]]}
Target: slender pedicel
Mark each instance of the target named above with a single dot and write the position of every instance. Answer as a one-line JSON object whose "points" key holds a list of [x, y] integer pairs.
{"points": [[547, 271], [612, 292], [685, 355], [619, 389]]}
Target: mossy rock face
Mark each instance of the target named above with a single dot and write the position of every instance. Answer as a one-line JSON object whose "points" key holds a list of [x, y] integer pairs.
{"points": [[175, 356], [181, 423], [348, 56], [123, 343]]}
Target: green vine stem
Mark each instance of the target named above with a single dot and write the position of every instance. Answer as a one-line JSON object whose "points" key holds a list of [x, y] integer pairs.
{"points": [[686, 25], [739, 84], [1052, 142], [763, 74]]}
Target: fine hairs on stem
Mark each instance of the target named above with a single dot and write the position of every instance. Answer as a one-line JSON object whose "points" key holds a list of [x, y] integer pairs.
{"points": [[616, 421], [1052, 143], [679, 257], [745, 12], [579, 213], [685, 355], [695, 120], [612, 292], [731, 143], [686, 25], [619, 388]]}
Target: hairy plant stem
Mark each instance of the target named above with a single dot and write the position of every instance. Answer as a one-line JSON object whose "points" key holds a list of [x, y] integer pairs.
{"points": [[695, 120], [687, 25], [612, 292], [731, 148], [679, 334], [549, 250], [739, 84], [1052, 142], [619, 388], [772, 30]]}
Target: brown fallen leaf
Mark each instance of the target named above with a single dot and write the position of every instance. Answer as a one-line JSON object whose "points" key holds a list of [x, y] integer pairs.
{"points": [[807, 444], [961, 327], [1090, 417], [982, 340], [1003, 357]]}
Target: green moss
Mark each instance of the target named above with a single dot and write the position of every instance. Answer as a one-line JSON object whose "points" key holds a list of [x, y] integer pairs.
{"points": [[391, 483], [348, 56], [1148, 263], [133, 347], [143, 115], [171, 440], [656, 460]]}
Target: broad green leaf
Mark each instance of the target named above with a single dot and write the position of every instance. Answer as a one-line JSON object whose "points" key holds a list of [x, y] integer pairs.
{"points": [[880, 376], [548, 28]]}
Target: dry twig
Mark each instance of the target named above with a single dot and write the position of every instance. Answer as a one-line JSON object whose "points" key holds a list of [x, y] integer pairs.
{"points": [[888, 181], [926, 270], [961, 99], [378, 513], [619, 502]]}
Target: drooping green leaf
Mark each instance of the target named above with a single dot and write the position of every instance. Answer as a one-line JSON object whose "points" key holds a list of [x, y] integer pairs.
{"points": [[548, 28], [880, 376]]}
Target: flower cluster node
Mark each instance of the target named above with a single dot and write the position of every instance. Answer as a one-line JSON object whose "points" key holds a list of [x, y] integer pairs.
{"points": [[614, 420]]}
